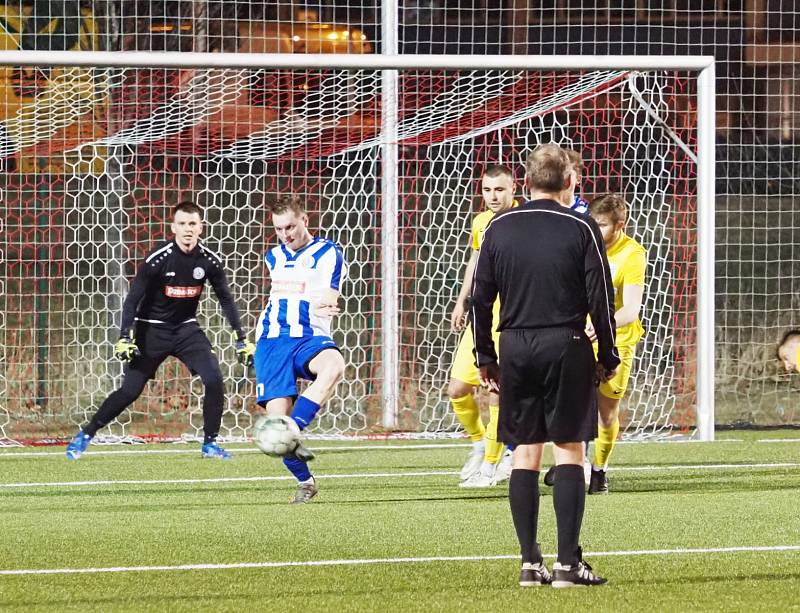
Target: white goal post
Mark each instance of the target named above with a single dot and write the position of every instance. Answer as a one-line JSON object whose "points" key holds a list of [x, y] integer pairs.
{"points": [[703, 69]]}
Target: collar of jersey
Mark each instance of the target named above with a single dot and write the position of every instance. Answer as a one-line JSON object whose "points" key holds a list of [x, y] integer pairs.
{"points": [[291, 256], [182, 252], [617, 246], [540, 202]]}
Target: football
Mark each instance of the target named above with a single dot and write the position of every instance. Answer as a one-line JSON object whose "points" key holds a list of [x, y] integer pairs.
{"points": [[276, 435]]}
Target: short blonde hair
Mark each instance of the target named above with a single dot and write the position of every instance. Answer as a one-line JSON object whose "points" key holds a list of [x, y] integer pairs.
{"points": [[575, 160], [547, 168]]}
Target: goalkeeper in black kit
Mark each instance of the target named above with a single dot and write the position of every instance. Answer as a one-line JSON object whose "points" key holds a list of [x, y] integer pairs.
{"points": [[159, 319]]}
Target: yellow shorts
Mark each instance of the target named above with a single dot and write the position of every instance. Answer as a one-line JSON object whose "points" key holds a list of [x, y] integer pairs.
{"points": [[464, 368], [616, 386]]}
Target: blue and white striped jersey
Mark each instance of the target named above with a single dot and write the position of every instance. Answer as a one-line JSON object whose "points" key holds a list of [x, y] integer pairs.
{"points": [[299, 281], [580, 205]]}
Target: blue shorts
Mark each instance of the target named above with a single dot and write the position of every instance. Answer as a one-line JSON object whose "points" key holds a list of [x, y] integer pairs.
{"points": [[280, 361]]}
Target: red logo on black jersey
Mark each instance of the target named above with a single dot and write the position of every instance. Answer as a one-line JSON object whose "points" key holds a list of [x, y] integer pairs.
{"points": [[174, 291]]}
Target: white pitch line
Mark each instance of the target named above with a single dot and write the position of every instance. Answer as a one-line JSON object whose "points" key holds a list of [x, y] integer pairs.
{"points": [[705, 466], [223, 479], [367, 561], [94, 451], [135, 449], [778, 440], [435, 473]]}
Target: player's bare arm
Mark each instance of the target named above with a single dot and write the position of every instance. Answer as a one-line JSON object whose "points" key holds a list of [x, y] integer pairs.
{"points": [[632, 296], [631, 305], [458, 318]]}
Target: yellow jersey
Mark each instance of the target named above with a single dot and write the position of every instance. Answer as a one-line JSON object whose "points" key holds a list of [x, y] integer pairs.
{"points": [[479, 223], [628, 262]]}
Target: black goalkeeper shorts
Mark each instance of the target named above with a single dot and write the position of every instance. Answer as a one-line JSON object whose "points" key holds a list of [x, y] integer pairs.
{"points": [[187, 342], [547, 387]]}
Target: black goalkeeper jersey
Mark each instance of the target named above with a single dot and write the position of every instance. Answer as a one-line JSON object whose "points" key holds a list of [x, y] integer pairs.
{"points": [[168, 286]]}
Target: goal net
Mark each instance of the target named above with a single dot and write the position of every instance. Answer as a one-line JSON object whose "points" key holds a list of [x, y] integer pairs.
{"points": [[93, 159]]}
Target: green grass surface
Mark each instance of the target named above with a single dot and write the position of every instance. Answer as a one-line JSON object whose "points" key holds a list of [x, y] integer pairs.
{"points": [[109, 510]]}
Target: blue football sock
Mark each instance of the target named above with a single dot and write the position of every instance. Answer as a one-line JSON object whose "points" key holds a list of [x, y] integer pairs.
{"points": [[298, 468], [304, 411]]}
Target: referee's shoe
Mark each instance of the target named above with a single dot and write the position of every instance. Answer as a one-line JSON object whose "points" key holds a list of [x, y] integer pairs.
{"points": [[579, 574], [534, 575]]}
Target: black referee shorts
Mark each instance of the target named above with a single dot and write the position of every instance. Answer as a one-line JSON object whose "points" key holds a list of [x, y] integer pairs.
{"points": [[187, 342], [547, 387]]}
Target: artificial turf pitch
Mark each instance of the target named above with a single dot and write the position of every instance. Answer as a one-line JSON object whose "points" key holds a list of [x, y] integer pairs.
{"points": [[687, 526]]}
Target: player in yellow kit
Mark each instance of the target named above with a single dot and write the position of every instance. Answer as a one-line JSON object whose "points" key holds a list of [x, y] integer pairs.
{"points": [[483, 467], [628, 262]]}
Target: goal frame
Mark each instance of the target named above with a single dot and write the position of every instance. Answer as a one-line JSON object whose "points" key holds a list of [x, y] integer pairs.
{"points": [[389, 63]]}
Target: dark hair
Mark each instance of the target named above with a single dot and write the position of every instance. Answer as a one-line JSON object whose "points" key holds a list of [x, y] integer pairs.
{"points": [[547, 168], [787, 336], [288, 202], [496, 170], [187, 206], [612, 204]]}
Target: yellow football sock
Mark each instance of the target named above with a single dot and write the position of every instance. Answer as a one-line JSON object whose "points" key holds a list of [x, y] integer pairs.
{"points": [[468, 413], [494, 448], [604, 444]]}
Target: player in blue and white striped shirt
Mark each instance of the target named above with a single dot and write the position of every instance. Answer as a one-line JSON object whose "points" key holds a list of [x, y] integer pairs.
{"points": [[294, 330], [576, 203]]}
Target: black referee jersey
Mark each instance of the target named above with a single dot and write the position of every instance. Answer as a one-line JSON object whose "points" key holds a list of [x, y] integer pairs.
{"points": [[168, 286], [549, 266]]}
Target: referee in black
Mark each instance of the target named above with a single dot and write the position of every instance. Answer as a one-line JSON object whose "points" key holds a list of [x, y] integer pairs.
{"points": [[549, 266], [159, 319]]}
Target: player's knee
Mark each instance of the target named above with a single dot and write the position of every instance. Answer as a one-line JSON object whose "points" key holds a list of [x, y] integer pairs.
{"points": [[127, 396], [528, 457], [458, 389], [606, 421], [608, 411], [214, 384], [567, 453], [130, 390]]}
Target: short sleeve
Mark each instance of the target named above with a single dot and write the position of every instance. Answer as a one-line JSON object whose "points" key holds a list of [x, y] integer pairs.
{"points": [[475, 234], [634, 269], [269, 260], [334, 267]]}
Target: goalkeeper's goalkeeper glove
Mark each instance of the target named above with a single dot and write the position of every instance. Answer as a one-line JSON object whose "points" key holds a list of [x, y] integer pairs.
{"points": [[126, 349], [244, 351]]}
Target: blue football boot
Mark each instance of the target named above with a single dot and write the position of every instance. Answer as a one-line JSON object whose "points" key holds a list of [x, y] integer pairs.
{"points": [[78, 445], [212, 450]]}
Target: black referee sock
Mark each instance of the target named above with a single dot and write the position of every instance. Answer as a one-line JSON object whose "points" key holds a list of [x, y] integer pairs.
{"points": [[569, 499], [523, 497]]}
